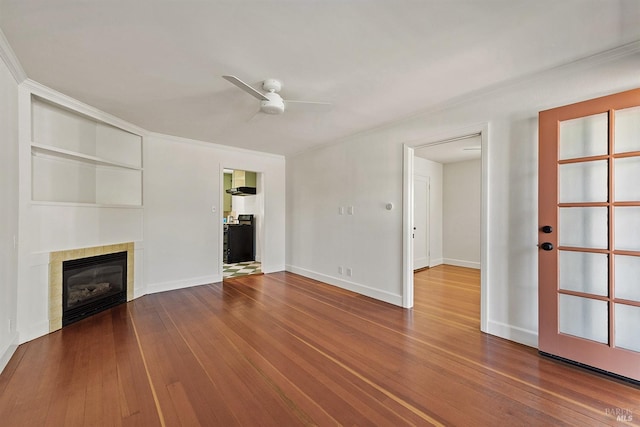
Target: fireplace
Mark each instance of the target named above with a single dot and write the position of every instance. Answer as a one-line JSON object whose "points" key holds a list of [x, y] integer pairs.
{"points": [[93, 284]]}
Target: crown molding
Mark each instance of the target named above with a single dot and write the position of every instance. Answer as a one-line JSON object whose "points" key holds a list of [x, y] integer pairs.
{"points": [[73, 104], [11, 60]]}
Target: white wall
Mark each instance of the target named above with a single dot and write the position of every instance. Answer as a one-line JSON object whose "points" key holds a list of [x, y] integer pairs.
{"points": [[461, 207], [8, 213], [434, 171], [366, 171], [364, 174], [183, 236]]}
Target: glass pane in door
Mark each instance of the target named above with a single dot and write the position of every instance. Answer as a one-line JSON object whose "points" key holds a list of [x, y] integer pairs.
{"points": [[584, 137], [583, 227], [627, 130], [583, 182], [627, 177], [584, 318], [627, 270], [583, 272], [627, 319], [627, 230]]}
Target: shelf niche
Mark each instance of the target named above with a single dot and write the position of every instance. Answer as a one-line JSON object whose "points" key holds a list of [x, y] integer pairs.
{"points": [[77, 159]]}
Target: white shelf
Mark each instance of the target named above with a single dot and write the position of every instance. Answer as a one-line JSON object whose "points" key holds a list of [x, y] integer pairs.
{"points": [[85, 205], [72, 155]]}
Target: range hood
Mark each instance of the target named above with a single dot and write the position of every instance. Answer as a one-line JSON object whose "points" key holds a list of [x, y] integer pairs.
{"points": [[242, 191]]}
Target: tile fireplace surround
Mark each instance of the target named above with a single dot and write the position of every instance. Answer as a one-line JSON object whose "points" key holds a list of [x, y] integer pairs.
{"points": [[55, 275]]}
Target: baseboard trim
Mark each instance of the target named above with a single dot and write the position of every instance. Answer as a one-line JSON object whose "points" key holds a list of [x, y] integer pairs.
{"points": [[436, 262], [181, 284], [462, 263], [7, 352], [266, 269], [384, 296], [35, 331], [421, 261], [513, 333]]}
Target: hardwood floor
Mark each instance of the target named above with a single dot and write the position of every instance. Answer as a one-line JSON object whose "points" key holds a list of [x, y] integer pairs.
{"points": [[280, 349]]}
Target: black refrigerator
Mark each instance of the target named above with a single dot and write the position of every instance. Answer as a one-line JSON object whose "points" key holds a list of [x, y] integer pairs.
{"points": [[239, 240]]}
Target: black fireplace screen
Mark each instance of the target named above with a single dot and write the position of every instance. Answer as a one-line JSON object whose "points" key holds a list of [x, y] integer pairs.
{"points": [[90, 285]]}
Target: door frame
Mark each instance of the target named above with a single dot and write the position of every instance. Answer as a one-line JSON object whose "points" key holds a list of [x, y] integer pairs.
{"points": [[260, 183], [407, 214]]}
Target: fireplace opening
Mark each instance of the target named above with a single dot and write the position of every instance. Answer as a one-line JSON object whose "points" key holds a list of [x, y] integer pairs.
{"points": [[93, 284]]}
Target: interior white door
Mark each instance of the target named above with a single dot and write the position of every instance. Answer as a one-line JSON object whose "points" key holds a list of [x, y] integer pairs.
{"points": [[420, 222]]}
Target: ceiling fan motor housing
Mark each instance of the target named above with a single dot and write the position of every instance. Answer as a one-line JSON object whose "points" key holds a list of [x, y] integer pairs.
{"points": [[274, 105], [272, 85]]}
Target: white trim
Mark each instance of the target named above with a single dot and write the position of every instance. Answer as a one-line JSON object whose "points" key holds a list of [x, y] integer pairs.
{"points": [[7, 352], [79, 107], [513, 333], [218, 219], [462, 263], [35, 331], [182, 283], [485, 235], [11, 60], [407, 226], [436, 262], [384, 296], [407, 216], [266, 269]]}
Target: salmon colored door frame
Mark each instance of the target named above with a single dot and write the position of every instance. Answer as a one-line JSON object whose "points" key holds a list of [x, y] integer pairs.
{"points": [[604, 354]]}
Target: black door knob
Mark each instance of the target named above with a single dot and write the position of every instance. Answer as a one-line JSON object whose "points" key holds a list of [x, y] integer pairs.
{"points": [[547, 229], [547, 246]]}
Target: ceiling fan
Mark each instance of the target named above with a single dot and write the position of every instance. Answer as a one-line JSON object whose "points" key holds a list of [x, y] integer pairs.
{"points": [[271, 102]]}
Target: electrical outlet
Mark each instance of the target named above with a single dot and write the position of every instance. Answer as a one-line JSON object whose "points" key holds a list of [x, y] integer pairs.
{"points": [[340, 210], [349, 272], [350, 210], [339, 270]]}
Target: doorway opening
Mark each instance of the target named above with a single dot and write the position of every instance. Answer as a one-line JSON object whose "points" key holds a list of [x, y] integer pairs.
{"points": [[451, 174], [242, 223]]}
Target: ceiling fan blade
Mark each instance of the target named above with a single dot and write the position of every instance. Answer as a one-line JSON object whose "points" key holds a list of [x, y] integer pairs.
{"points": [[310, 106], [245, 87]]}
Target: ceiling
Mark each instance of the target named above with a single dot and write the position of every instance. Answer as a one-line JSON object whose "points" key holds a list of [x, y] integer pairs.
{"points": [[158, 63], [453, 150]]}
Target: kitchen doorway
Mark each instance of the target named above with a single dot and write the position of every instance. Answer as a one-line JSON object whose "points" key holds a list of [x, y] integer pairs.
{"points": [[456, 168], [242, 222]]}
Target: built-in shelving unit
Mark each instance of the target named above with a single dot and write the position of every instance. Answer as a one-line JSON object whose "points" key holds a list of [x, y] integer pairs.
{"points": [[76, 159]]}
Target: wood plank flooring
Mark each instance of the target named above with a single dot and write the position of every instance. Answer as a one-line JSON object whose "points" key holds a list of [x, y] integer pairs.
{"points": [[280, 349]]}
